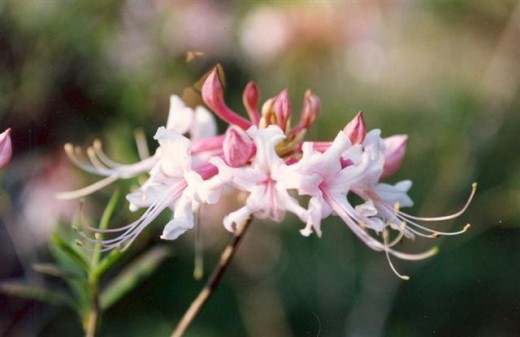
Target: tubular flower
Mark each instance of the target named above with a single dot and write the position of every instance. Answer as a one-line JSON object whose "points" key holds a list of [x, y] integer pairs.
{"points": [[267, 158]]}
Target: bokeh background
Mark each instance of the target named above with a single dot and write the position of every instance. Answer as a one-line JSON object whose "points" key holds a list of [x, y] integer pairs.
{"points": [[447, 73]]}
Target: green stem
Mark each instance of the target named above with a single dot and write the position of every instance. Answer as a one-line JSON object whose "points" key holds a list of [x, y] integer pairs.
{"points": [[213, 281], [90, 324]]}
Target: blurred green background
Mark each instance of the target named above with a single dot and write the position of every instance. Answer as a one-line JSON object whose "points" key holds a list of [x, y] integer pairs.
{"points": [[447, 73]]}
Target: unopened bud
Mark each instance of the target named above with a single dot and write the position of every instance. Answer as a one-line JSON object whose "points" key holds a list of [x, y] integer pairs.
{"points": [[213, 96], [282, 109], [395, 148], [311, 109], [250, 99], [6, 148], [238, 147], [356, 129]]}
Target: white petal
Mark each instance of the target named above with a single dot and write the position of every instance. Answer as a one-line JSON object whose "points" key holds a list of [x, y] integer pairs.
{"points": [[265, 141], [175, 150], [236, 219], [204, 124], [180, 117], [395, 194], [182, 220], [203, 191]]}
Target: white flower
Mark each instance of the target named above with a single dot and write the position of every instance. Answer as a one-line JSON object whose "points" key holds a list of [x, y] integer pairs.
{"points": [[200, 123], [267, 179], [173, 184]]}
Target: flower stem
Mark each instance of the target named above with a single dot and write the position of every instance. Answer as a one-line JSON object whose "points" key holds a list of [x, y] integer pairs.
{"points": [[91, 321], [91, 325], [213, 281]]}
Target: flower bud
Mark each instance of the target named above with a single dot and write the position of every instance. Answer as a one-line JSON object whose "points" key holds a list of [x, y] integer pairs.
{"points": [[395, 148], [356, 129], [311, 109], [6, 149], [250, 99], [213, 96], [282, 110], [238, 147]]}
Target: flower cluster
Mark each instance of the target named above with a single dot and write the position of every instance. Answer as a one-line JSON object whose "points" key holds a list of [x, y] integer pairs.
{"points": [[266, 157]]}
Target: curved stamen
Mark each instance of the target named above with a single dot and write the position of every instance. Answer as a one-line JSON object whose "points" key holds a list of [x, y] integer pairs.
{"points": [[447, 217], [102, 156], [88, 189], [91, 153], [142, 146], [352, 221], [72, 153], [387, 254], [131, 231]]}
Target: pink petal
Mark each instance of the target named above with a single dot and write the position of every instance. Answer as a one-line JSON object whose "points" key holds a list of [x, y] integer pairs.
{"points": [[250, 99], [356, 129], [238, 147], [213, 96], [6, 148], [395, 148]]}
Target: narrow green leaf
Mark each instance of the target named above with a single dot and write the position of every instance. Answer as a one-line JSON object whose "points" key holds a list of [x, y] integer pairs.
{"points": [[107, 262], [19, 289], [72, 253], [56, 271], [109, 210], [103, 224], [132, 275]]}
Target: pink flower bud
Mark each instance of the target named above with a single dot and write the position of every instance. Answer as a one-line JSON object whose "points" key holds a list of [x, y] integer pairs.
{"points": [[395, 148], [311, 109], [238, 147], [282, 109], [356, 129], [6, 149], [250, 99], [213, 96]]}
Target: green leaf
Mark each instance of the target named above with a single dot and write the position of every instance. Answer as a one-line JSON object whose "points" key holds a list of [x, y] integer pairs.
{"points": [[103, 224], [56, 271], [70, 251], [109, 210], [107, 262], [132, 275], [19, 289]]}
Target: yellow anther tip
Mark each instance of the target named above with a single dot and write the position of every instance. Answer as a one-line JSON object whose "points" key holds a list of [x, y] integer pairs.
{"points": [[68, 147], [466, 227]]}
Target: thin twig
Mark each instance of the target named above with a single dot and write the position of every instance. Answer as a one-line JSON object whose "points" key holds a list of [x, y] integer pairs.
{"points": [[213, 281]]}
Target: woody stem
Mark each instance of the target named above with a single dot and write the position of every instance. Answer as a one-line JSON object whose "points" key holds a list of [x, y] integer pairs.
{"points": [[213, 281]]}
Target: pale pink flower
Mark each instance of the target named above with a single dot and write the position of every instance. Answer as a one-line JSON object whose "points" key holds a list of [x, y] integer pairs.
{"points": [[267, 179], [267, 159], [6, 148], [200, 123]]}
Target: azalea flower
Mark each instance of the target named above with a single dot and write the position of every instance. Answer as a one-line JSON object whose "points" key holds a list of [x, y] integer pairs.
{"points": [[267, 179], [267, 157]]}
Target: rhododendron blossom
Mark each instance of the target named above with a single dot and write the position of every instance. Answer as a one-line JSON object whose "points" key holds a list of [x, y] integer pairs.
{"points": [[267, 158]]}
